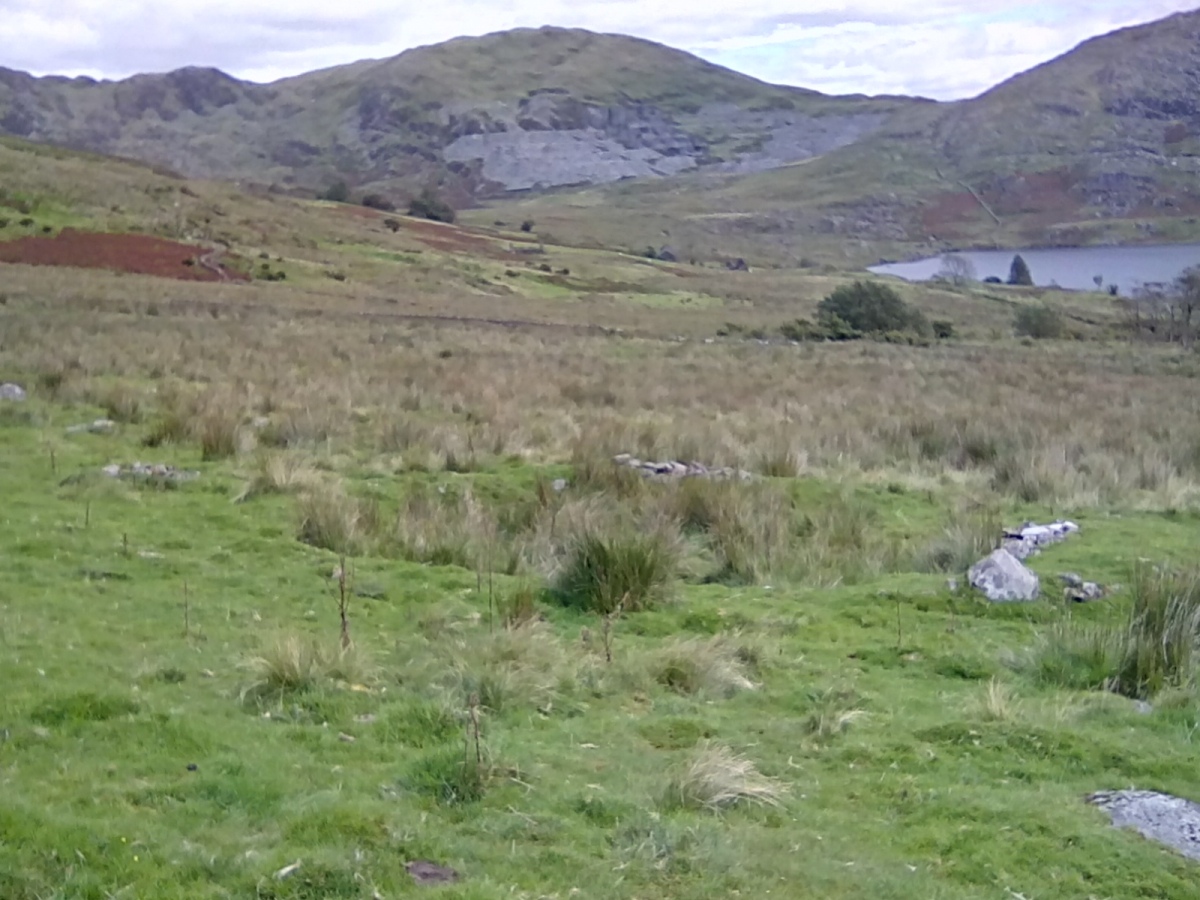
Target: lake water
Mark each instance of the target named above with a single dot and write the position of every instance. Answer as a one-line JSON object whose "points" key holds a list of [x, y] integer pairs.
{"points": [[1070, 267]]}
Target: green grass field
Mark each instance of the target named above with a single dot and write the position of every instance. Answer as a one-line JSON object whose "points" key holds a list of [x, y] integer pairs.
{"points": [[145, 755]]}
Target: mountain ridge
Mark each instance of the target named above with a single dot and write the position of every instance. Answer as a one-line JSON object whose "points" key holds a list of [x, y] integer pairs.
{"points": [[537, 108]]}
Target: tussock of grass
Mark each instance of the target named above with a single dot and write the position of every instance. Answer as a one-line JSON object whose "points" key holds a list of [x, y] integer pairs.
{"points": [[217, 428], [831, 712], [631, 571], [714, 667], [998, 702], [519, 607], [518, 667], [332, 520], [441, 529], [278, 472], [287, 663], [450, 775], [293, 663], [716, 778], [123, 402], [1161, 634], [752, 530], [173, 422], [1156, 647], [592, 472], [967, 538], [779, 460]]}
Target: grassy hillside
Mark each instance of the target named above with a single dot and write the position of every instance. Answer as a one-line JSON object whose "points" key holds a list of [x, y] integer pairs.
{"points": [[1097, 146], [792, 696]]}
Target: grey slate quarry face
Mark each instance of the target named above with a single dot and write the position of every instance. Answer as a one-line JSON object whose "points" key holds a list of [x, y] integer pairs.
{"points": [[551, 141]]}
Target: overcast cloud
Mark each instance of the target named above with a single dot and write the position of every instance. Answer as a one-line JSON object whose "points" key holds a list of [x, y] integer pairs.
{"points": [[936, 48]]}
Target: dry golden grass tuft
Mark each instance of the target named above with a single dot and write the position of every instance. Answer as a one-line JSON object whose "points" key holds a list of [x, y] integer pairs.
{"points": [[278, 472], [716, 778]]}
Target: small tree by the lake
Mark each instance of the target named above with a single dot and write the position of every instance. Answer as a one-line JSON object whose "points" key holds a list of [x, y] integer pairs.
{"points": [[1018, 272]]}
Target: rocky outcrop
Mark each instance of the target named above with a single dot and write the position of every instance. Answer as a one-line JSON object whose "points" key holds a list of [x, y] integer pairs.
{"points": [[1159, 817], [671, 469], [1003, 578]]}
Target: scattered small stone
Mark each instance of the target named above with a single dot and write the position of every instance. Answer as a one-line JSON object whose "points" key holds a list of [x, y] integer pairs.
{"points": [[10, 391], [365, 719], [192, 767], [208, 673], [425, 872], [149, 554], [157, 471], [1160, 817], [1003, 578], [677, 469], [287, 870], [1071, 580], [1142, 707], [1084, 592], [559, 485], [346, 738], [96, 426]]}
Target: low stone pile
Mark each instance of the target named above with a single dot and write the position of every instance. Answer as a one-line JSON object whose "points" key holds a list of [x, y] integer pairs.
{"points": [[96, 426], [1030, 538], [1002, 577], [156, 471], [676, 469]]}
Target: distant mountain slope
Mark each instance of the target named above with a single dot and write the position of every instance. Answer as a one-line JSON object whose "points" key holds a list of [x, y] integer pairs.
{"points": [[1101, 144], [508, 111]]}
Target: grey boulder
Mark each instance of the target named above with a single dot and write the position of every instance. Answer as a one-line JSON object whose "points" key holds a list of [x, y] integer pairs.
{"points": [[1160, 817], [1004, 579], [10, 391]]}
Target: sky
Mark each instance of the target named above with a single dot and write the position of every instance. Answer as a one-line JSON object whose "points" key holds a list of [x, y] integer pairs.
{"points": [[945, 49]]}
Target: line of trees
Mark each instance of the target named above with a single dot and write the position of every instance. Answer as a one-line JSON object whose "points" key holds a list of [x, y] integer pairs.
{"points": [[1167, 312]]}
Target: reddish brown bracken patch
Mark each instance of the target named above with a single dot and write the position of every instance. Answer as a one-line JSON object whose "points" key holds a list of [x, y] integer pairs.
{"points": [[138, 254]]}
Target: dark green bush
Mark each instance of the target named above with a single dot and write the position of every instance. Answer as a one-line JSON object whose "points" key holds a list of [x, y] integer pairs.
{"points": [[338, 192], [870, 308], [1041, 322], [428, 205], [379, 202]]}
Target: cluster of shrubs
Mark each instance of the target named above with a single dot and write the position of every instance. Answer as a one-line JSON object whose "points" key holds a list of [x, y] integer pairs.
{"points": [[868, 310], [426, 205]]}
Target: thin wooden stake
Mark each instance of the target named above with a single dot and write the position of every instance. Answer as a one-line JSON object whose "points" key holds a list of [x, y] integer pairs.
{"points": [[344, 605]]}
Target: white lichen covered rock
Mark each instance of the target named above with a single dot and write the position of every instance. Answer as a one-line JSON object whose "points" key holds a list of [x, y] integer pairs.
{"points": [[1003, 578]]}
